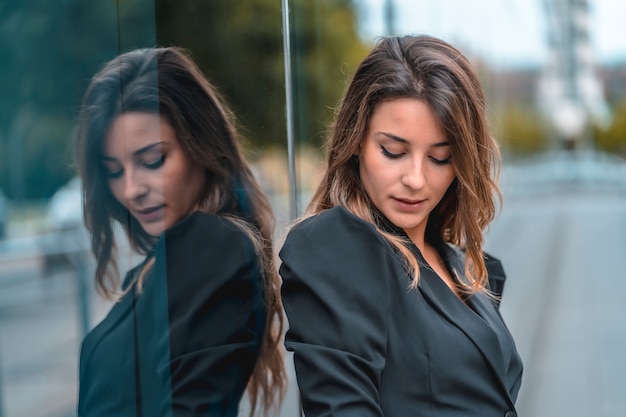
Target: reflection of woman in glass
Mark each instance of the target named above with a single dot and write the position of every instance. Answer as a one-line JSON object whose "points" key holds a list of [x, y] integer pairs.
{"points": [[385, 285], [199, 319]]}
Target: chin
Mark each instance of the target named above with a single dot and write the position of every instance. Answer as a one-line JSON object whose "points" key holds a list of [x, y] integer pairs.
{"points": [[405, 224], [153, 230]]}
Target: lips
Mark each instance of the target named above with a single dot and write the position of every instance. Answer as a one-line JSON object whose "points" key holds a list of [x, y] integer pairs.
{"points": [[149, 214], [407, 201], [408, 204]]}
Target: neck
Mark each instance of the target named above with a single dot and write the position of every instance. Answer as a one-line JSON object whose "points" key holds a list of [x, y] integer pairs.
{"points": [[418, 239]]}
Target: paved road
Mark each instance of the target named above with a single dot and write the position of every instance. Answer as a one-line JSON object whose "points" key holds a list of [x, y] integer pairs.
{"points": [[565, 299]]}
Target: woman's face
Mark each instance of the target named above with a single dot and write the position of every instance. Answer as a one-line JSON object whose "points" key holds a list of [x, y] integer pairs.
{"points": [[149, 172], [405, 163]]}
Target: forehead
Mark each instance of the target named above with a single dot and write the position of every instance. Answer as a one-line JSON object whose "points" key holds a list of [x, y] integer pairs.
{"points": [[407, 118], [130, 132]]}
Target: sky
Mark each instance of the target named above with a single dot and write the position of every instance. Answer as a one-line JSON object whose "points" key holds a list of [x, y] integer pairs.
{"points": [[506, 33]]}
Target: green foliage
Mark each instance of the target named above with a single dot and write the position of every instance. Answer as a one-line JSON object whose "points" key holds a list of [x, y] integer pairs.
{"points": [[520, 130], [326, 51], [50, 51], [239, 45], [613, 139]]}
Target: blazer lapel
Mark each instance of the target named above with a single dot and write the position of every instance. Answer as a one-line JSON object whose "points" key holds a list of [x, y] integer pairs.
{"points": [[118, 312], [468, 318], [484, 308]]}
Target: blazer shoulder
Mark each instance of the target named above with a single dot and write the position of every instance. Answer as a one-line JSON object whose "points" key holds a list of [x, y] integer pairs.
{"points": [[206, 251], [206, 229], [497, 276], [336, 226], [337, 249]]}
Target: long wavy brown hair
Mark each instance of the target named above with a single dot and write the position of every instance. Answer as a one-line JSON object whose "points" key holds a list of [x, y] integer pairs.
{"points": [[436, 73], [167, 82]]}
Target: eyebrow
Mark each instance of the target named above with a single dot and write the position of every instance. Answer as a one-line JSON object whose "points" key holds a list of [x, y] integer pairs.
{"points": [[402, 140], [138, 152]]}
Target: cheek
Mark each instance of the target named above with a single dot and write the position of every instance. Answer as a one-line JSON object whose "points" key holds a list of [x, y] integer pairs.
{"points": [[365, 174], [451, 178], [446, 177], [447, 184], [185, 186]]}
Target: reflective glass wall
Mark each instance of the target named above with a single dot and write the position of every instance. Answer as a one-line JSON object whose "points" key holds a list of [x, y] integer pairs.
{"points": [[553, 72], [51, 50]]}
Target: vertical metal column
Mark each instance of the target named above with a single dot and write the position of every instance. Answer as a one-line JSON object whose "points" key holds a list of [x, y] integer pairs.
{"points": [[1, 391], [82, 283], [293, 187], [390, 18]]}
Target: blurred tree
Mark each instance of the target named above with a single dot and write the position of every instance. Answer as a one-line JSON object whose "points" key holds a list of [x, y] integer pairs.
{"points": [[326, 52], [613, 139], [50, 51], [520, 130], [239, 46]]}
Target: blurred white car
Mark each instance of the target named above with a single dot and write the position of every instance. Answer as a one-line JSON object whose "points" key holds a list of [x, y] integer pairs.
{"points": [[67, 237], [65, 209]]}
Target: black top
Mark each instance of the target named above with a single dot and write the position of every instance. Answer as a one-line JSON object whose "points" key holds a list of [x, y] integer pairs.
{"points": [[187, 345], [365, 344]]}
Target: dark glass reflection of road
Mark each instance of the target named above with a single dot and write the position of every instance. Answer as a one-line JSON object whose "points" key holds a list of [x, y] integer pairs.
{"points": [[41, 328]]}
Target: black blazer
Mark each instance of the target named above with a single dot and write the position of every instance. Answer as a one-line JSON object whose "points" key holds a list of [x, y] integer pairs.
{"points": [[187, 345], [366, 345]]}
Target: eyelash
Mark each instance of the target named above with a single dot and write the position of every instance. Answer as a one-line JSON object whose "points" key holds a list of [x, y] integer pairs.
{"points": [[441, 161], [114, 175], [399, 155], [157, 164], [151, 166], [389, 154]]}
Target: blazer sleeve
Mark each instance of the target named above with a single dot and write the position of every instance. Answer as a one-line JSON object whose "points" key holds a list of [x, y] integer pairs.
{"points": [[215, 318], [335, 270]]}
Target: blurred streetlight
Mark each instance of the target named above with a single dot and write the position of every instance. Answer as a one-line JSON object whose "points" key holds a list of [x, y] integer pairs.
{"points": [[570, 90]]}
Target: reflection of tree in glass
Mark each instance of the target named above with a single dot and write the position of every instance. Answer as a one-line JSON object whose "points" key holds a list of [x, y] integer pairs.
{"points": [[240, 47], [49, 52]]}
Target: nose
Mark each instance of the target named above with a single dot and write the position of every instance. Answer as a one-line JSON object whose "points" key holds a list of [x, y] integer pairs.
{"points": [[134, 186], [414, 176]]}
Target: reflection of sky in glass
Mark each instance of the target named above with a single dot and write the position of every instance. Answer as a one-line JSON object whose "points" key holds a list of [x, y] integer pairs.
{"points": [[505, 32]]}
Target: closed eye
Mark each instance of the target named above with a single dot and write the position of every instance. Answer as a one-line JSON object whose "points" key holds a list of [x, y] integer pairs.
{"points": [[390, 154], [115, 174], [441, 161], [156, 164], [112, 169]]}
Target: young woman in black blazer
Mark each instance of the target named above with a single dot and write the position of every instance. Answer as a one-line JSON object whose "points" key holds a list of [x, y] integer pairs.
{"points": [[385, 283], [199, 319]]}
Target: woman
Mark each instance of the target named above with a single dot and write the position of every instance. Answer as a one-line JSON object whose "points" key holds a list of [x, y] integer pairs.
{"points": [[199, 319], [385, 284]]}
